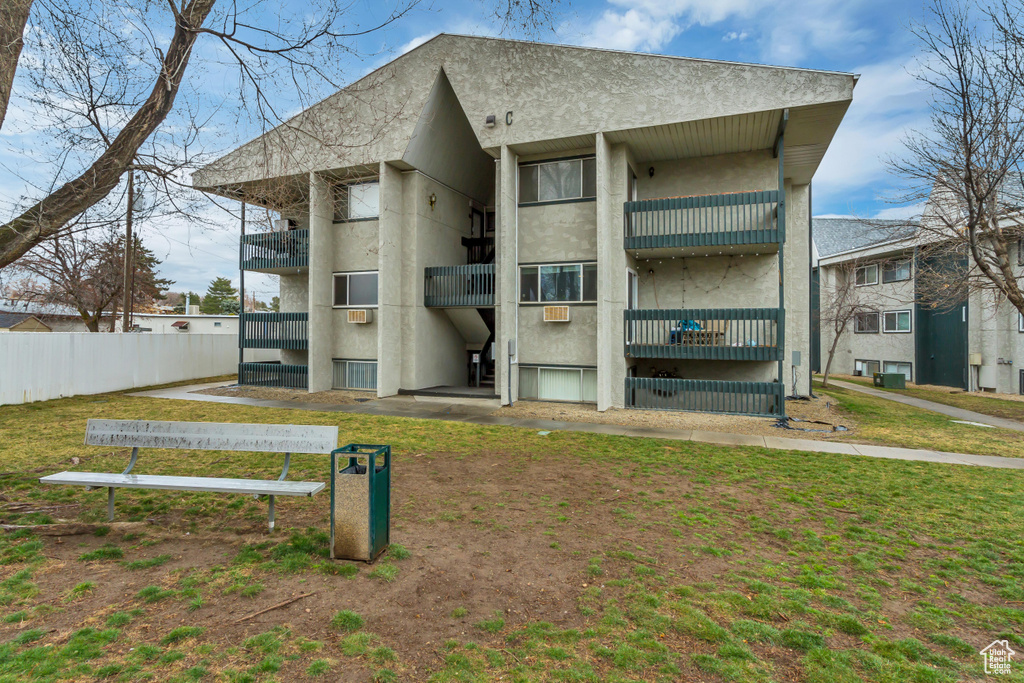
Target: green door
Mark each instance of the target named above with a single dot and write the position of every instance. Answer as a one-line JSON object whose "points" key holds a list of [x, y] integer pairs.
{"points": [[941, 344]]}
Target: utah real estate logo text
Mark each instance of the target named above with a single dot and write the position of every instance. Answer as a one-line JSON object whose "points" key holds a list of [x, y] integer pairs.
{"points": [[997, 657]]}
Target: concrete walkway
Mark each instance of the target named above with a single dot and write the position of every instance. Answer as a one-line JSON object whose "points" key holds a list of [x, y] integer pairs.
{"points": [[476, 411], [942, 408]]}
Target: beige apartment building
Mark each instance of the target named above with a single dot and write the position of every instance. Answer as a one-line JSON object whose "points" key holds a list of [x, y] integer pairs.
{"points": [[547, 222]]}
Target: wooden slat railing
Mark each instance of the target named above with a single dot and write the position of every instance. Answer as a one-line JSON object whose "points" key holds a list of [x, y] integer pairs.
{"points": [[275, 331], [736, 218], [706, 396], [273, 375], [269, 250], [455, 286], [754, 334]]}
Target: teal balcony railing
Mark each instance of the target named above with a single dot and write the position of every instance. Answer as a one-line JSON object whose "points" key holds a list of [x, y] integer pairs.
{"points": [[455, 286], [733, 219], [273, 250], [273, 375], [754, 334], [706, 396], [275, 331]]}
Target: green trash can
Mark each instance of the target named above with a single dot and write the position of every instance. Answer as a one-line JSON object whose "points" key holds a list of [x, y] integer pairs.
{"points": [[890, 380], [360, 502]]}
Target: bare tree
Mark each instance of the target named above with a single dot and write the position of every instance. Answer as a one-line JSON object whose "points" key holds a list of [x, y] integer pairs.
{"points": [[13, 18], [107, 79], [841, 303], [88, 274], [967, 167]]}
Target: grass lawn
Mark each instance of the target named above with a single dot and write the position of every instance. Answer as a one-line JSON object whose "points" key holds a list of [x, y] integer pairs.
{"points": [[975, 401], [520, 557], [893, 424]]}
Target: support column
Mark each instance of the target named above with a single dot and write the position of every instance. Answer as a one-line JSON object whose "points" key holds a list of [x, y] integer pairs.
{"points": [[389, 283], [505, 277], [612, 179], [321, 248], [798, 289]]}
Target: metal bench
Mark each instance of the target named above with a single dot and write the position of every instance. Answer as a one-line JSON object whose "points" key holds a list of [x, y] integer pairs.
{"points": [[205, 436]]}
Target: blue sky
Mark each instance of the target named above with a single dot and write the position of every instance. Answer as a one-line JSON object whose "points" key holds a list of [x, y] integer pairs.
{"points": [[868, 37]]}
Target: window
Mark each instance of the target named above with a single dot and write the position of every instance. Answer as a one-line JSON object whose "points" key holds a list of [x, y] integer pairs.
{"points": [[897, 368], [558, 384], [865, 368], [865, 323], [555, 181], [897, 271], [357, 201], [1020, 322], [558, 283], [216, 324], [355, 289], [896, 321], [355, 374], [867, 275]]}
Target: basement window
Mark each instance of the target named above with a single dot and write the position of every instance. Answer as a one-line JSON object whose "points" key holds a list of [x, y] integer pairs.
{"points": [[355, 374], [865, 368], [896, 367], [578, 384], [558, 181]]}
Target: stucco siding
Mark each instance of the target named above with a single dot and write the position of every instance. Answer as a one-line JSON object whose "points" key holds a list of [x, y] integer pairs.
{"points": [[558, 232], [743, 172], [356, 246], [572, 343]]}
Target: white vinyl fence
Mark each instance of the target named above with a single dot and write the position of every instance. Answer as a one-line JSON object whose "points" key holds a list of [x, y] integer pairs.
{"points": [[37, 366]]}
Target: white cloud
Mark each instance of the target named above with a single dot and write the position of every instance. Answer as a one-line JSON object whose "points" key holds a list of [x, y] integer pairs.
{"points": [[735, 35], [901, 212]]}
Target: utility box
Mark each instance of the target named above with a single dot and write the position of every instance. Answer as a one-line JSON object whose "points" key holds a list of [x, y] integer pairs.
{"points": [[891, 380], [360, 502]]}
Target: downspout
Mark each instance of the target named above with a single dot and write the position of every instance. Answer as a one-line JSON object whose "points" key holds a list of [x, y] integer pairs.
{"points": [[780, 153], [810, 291]]}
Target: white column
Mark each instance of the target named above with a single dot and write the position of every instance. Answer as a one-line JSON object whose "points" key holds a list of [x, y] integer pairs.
{"points": [[506, 273], [611, 273], [389, 283], [321, 249]]}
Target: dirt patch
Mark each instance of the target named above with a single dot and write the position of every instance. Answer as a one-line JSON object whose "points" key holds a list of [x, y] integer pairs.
{"points": [[335, 396], [814, 409]]}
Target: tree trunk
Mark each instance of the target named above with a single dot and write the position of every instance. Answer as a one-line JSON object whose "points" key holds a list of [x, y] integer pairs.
{"points": [[831, 355], [53, 212], [13, 18]]}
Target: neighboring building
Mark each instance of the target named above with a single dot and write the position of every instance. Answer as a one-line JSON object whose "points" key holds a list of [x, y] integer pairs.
{"points": [[21, 322], [58, 317], [590, 225], [195, 323], [975, 344]]}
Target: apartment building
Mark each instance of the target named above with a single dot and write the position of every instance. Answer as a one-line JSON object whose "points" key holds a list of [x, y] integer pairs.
{"points": [[976, 343], [543, 222]]}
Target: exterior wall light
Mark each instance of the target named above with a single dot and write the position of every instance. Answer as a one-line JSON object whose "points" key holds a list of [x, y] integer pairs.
{"points": [[433, 200]]}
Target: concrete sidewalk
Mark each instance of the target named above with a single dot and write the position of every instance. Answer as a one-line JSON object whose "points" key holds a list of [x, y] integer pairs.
{"points": [[479, 412], [942, 408]]}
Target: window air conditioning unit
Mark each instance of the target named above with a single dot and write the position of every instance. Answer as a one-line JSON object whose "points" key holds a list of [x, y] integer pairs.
{"points": [[360, 316], [556, 314]]}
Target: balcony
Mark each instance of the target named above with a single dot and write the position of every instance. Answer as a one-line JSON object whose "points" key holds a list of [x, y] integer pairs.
{"points": [[741, 334], [459, 286], [764, 399], [730, 221], [275, 252], [275, 331], [273, 374]]}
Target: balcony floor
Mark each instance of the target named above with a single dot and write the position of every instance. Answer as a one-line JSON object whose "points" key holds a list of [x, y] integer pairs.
{"points": [[723, 250]]}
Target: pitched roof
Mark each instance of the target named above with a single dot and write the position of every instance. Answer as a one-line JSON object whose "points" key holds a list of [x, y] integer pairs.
{"points": [[839, 235], [9, 320]]}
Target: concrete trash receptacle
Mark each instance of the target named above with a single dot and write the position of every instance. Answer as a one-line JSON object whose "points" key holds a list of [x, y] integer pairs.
{"points": [[360, 502]]}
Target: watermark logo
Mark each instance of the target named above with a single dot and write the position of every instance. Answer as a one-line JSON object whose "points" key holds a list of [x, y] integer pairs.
{"points": [[998, 657]]}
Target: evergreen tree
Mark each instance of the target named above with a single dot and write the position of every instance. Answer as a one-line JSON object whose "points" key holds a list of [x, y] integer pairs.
{"points": [[218, 294]]}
